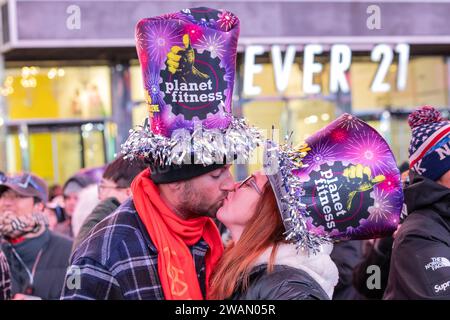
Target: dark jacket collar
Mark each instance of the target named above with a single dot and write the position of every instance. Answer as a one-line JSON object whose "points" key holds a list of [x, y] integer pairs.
{"points": [[28, 249], [426, 194]]}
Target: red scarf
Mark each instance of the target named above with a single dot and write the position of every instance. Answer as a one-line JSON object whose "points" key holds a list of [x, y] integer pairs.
{"points": [[172, 236]]}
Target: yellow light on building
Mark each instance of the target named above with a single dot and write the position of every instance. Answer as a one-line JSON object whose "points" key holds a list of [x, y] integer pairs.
{"points": [[7, 87], [52, 73], [325, 117], [313, 119], [28, 80], [28, 83], [61, 72]]}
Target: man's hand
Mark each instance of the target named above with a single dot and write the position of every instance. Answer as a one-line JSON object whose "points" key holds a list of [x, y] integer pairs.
{"points": [[361, 180]]}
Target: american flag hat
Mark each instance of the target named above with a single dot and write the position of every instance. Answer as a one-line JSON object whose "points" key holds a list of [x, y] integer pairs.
{"points": [[429, 151]]}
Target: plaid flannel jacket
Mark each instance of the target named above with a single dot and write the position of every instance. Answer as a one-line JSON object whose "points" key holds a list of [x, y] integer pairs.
{"points": [[119, 261], [5, 279]]}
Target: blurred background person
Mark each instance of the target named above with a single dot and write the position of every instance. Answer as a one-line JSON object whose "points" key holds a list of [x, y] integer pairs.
{"points": [[38, 258], [51, 216], [377, 252], [404, 172], [71, 191], [56, 204], [55, 191], [347, 255], [87, 201], [420, 261], [113, 190], [5, 278]]}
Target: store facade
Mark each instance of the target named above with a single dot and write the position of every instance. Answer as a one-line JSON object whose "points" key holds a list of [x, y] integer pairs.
{"points": [[71, 85]]}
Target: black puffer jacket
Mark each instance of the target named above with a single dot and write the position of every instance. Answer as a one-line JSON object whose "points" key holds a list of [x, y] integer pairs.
{"points": [[420, 262], [294, 277], [284, 283]]}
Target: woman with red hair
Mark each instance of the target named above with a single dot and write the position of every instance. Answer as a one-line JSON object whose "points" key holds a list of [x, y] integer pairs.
{"points": [[258, 263]]}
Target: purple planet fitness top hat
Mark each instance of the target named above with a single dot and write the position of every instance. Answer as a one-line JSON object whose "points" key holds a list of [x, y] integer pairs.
{"points": [[188, 61]]}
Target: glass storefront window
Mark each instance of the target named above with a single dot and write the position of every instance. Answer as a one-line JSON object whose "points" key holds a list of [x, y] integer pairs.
{"points": [[93, 145], [290, 111], [139, 112], [305, 117], [67, 157], [59, 92], [426, 84], [293, 110]]}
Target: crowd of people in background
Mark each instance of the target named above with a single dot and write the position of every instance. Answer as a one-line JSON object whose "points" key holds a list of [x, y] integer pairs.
{"points": [[154, 226], [45, 230], [39, 225]]}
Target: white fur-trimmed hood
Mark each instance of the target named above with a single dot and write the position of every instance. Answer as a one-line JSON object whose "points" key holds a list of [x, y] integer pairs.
{"points": [[319, 266]]}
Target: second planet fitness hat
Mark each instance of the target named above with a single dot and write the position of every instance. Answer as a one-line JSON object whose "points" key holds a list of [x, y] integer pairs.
{"points": [[342, 184]]}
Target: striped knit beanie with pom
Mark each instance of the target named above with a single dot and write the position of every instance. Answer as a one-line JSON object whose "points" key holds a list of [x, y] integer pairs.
{"points": [[429, 151]]}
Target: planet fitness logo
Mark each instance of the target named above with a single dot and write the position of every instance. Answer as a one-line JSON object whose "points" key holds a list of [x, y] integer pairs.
{"points": [[337, 199], [193, 84]]}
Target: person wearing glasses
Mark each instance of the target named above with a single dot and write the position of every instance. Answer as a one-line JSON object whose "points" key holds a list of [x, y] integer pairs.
{"points": [[259, 264], [37, 257], [113, 190]]}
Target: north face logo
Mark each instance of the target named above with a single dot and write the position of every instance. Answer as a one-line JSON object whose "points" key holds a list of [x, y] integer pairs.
{"points": [[437, 263]]}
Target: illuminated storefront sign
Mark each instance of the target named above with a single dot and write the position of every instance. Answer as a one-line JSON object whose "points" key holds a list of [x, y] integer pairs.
{"points": [[340, 62]]}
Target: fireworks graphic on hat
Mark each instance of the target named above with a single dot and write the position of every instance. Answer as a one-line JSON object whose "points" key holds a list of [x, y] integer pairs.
{"points": [[350, 122], [214, 44], [323, 152], [381, 207], [339, 135], [157, 38], [369, 149], [226, 20]]}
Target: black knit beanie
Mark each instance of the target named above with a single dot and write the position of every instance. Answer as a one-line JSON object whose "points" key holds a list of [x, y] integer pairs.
{"points": [[182, 172]]}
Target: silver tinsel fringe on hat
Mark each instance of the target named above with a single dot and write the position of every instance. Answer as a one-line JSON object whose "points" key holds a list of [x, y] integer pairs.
{"points": [[293, 210], [208, 146]]}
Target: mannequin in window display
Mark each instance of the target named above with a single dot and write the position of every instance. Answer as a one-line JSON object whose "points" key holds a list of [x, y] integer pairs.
{"points": [[75, 105]]}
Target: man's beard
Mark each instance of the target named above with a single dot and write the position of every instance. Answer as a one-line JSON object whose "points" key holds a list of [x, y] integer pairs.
{"points": [[195, 204]]}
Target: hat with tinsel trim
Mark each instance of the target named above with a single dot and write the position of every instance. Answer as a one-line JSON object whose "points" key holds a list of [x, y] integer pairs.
{"points": [[429, 150], [188, 62], [342, 184]]}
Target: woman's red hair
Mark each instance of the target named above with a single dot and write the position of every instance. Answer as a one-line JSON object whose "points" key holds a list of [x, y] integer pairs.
{"points": [[264, 229]]}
